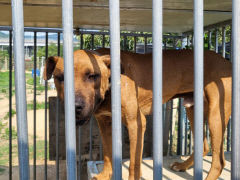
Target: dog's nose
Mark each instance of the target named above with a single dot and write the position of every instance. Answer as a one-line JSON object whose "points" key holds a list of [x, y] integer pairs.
{"points": [[79, 104]]}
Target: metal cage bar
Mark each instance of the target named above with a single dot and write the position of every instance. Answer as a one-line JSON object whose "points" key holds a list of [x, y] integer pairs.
{"points": [[10, 105], [20, 88], [216, 40], [198, 88], [157, 89], [114, 15], [235, 163], [45, 136], [69, 94], [34, 107], [223, 41]]}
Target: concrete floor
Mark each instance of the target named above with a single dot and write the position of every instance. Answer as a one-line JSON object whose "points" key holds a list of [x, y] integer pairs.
{"points": [[168, 174]]}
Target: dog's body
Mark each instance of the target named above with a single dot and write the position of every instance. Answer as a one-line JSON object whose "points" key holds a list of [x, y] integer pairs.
{"points": [[136, 91]]}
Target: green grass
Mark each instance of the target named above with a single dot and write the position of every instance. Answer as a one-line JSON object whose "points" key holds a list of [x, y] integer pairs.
{"points": [[39, 87], [7, 115], [38, 106], [2, 171]]}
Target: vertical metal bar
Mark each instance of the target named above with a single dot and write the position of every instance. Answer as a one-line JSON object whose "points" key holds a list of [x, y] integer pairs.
{"points": [[69, 93], [10, 105], [230, 121], [165, 44], [145, 44], [114, 15], [180, 147], [92, 41], [81, 45], [57, 138], [103, 41], [34, 107], [125, 43], [174, 43], [20, 88], [190, 142], [229, 136], [216, 40], [58, 45], [157, 89], [188, 42], [186, 133], [171, 135], [135, 44], [223, 41], [46, 103], [57, 119], [90, 134], [209, 40], [79, 153], [198, 88], [235, 163]]}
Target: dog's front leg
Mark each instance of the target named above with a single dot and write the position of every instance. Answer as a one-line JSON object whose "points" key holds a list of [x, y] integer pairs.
{"points": [[136, 128], [105, 127]]}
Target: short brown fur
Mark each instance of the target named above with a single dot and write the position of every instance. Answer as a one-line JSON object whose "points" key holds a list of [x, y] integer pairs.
{"points": [[136, 90]]}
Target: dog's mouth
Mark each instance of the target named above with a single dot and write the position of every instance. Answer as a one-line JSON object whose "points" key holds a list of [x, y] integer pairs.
{"points": [[80, 120]]}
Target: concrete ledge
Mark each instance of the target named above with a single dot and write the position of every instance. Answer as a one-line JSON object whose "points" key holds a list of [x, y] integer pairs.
{"points": [[94, 167]]}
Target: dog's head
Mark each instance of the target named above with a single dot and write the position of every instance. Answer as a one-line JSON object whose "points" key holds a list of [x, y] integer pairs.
{"points": [[91, 80]]}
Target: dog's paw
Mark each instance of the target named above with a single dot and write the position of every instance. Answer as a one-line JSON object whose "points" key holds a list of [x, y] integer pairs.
{"points": [[179, 167], [102, 176]]}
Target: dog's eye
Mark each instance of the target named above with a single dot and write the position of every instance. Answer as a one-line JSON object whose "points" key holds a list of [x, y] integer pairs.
{"points": [[93, 77], [60, 78]]}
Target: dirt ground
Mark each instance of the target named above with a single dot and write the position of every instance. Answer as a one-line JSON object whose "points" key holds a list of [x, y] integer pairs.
{"points": [[40, 124]]}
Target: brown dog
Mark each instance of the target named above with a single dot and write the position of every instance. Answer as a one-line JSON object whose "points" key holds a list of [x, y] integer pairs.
{"points": [[92, 92]]}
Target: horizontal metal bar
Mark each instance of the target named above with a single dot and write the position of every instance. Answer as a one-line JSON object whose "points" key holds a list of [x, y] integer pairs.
{"points": [[211, 27]]}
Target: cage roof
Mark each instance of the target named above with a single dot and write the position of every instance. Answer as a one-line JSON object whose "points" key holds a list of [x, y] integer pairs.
{"points": [[135, 15]]}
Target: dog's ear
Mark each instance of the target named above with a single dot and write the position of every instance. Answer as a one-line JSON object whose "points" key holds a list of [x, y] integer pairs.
{"points": [[106, 59], [50, 65]]}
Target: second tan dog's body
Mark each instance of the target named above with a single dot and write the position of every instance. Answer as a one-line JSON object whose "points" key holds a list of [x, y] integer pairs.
{"points": [[136, 93]]}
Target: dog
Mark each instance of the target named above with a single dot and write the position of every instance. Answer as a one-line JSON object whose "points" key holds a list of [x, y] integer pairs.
{"points": [[93, 97]]}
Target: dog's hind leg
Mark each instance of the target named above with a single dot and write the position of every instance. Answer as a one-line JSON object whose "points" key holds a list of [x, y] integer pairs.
{"points": [[183, 166], [136, 127], [219, 113], [104, 123]]}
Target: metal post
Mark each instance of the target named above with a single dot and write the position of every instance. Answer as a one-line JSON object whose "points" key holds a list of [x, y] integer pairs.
{"points": [[57, 138], [125, 43], [81, 39], [34, 107], [20, 88], [92, 41], [57, 120], [103, 41], [198, 88], [157, 89], [180, 147], [209, 40], [90, 139], [69, 93], [135, 44], [145, 44], [216, 40], [46, 103], [186, 133], [79, 153], [10, 105], [223, 41], [114, 15], [235, 163]]}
